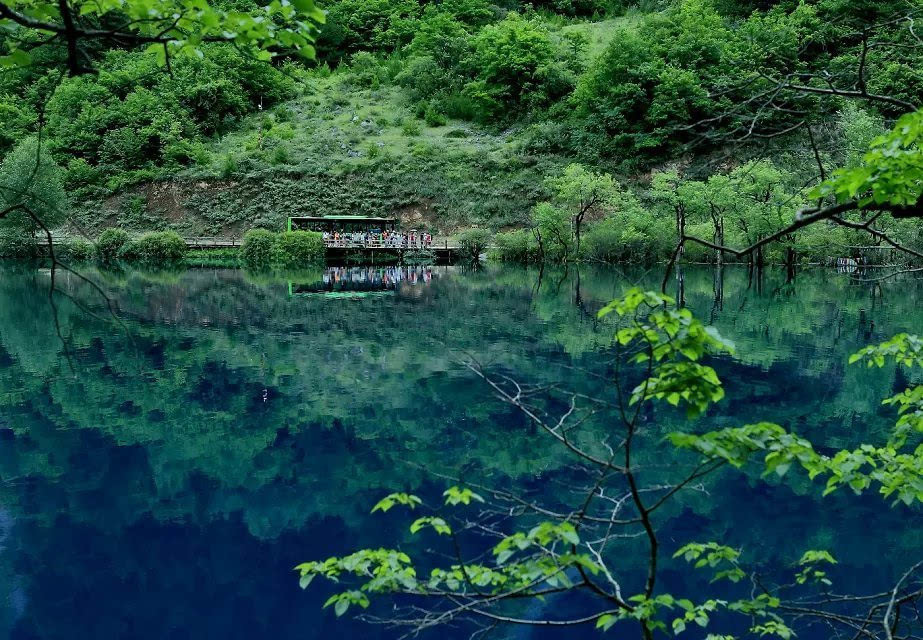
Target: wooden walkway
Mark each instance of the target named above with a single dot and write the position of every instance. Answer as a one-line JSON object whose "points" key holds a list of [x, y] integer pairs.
{"points": [[212, 243], [336, 251]]}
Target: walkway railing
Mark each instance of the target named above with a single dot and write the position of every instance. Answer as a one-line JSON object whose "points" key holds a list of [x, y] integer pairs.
{"points": [[376, 243]]}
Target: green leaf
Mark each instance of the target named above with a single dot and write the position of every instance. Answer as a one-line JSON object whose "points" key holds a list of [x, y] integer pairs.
{"points": [[605, 622], [455, 496], [390, 500], [17, 58]]}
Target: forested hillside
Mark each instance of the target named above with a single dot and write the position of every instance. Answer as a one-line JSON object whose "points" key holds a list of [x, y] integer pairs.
{"points": [[500, 115]]}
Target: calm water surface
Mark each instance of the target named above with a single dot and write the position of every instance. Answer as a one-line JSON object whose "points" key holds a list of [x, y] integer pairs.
{"points": [[160, 477]]}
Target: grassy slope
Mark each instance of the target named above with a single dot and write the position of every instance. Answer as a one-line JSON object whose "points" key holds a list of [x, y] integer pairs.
{"points": [[343, 148], [600, 34]]}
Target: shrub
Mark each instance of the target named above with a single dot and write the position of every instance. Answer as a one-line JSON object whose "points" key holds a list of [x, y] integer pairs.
{"points": [[76, 250], [300, 248], [260, 249], [473, 243], [471, 12], [17, 245], [481, 101], [440, 37], [433, 117], [80, 174], [549, 137], [460, 106], [185, 153], [515, 246], [110, 243], [630, 238], [228, 165], [424, 78], [263, 249], [155, 248], [16, 118], [280, 155], [410, 128], [366, 70], [652, 79], [131, 117]]}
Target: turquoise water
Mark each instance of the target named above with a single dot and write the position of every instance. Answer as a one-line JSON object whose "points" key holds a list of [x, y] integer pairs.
{"points": [[161, 475]]}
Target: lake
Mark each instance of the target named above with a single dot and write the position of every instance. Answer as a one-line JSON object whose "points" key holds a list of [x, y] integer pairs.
{"points": [[160, 475]]}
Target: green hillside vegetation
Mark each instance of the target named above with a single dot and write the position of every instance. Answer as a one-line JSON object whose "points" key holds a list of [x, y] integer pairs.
{"points": [[465, 113]]}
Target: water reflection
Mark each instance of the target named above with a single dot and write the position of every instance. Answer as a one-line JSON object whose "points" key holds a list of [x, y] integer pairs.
{"points": [[165, 486], [366, 279]]}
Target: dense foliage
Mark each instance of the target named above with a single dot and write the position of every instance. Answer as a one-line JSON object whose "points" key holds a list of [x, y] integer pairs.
{"points": [[31, 190], [471, 113], [17, 244], [76, 250], [110, 244], [155, 248], [263, 249]]}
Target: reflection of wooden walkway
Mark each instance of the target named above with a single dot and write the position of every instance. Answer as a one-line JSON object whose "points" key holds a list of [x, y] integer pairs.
{"points": [[380, 255], [443, 252]]}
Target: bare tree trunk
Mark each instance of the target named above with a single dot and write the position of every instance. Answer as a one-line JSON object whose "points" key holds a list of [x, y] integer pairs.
{"points": [[717, 291], [680, 287], [541, 245], [717, 221]]}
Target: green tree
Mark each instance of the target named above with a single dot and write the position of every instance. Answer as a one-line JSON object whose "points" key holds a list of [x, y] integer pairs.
{"points": [[581, 192], [474, 242], [553, 232], [441, 37], [367, 25], [649, 82], [32, 193], [509, 59]]}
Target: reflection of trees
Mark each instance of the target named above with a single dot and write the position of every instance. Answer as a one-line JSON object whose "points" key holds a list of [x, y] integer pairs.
{"points": [[356, 391]]}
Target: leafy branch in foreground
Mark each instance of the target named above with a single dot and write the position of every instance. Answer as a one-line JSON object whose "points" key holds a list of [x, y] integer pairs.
{"points": [[894, 467], [167, 27], [601, 544], [891, 172]]}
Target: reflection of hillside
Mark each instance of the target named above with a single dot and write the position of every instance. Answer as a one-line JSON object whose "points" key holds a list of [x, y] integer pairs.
{"points": [[236, 405]]}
